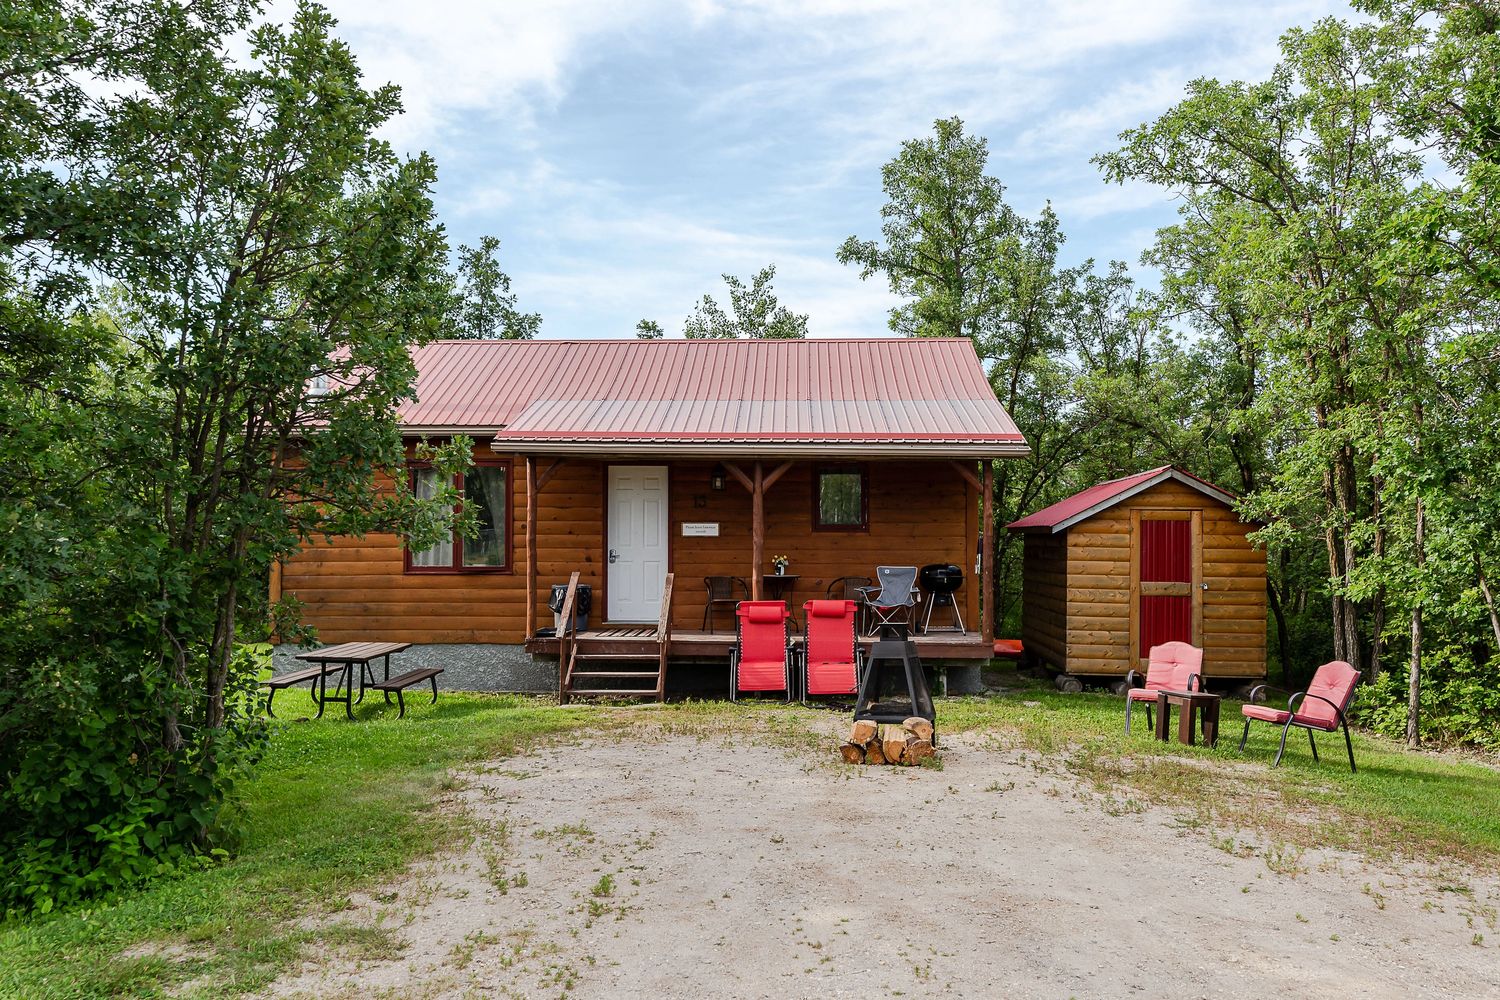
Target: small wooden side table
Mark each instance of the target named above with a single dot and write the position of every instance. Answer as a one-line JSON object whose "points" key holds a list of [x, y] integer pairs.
{"points": [[1194, 705], [781, 587]]}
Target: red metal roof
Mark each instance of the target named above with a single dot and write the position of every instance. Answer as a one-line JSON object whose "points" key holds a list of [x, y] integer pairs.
{"points": [[901, 395], [1081, 506]]}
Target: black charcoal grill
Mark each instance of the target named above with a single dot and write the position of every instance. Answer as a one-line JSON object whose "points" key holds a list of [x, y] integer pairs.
{"points": [[940, 581]]}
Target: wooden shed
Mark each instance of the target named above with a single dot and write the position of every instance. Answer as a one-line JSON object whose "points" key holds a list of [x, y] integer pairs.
{"points": [[1150, 558]]}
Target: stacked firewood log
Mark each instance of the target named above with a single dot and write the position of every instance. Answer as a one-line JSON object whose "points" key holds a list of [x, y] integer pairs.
{"points": [[870, 743]]}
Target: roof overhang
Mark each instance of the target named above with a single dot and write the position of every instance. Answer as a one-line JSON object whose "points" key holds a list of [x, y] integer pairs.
{"points": [[768, 447], [1207, 489]]}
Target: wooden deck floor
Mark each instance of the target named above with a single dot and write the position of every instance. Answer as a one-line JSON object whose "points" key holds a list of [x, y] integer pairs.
{"points": [[710, 646]]}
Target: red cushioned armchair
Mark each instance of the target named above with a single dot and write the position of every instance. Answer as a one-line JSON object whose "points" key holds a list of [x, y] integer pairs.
{"points": [[1172, 666], [830, 657], [1322, 708], [762, 656]]}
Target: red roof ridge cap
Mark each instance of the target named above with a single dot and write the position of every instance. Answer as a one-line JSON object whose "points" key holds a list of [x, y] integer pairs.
{"points": [[707, 340]]}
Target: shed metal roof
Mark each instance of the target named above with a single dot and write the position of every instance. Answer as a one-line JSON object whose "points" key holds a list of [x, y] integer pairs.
{"points": [[1080, 506], [868, 396]]}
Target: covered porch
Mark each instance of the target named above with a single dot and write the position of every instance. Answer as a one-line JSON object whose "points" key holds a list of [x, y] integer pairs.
{"points": [[699, 647], [835, 519]]}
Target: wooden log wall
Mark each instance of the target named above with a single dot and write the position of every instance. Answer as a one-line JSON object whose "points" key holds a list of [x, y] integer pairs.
{"points": [[920, 512], [354, 588], [1044, 598]]}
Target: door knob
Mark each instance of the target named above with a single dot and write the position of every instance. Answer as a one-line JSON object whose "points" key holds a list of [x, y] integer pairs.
{"points": [[613, 555]]}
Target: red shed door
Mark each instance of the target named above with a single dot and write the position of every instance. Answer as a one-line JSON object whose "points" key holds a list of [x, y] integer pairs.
{"points": [[1165, 563]]}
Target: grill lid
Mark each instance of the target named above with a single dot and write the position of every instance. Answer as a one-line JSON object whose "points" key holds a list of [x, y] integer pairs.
{"points": [[942, 578]]}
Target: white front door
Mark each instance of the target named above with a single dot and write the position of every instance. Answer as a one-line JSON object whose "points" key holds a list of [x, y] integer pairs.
{"points": [[637, 541]]}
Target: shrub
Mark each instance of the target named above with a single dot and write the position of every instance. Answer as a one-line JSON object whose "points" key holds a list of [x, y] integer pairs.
{"points": [[92, 801], [1460, 702]]}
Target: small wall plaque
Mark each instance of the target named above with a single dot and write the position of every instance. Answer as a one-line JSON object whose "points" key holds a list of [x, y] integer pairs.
{"points": [[700, 529]]}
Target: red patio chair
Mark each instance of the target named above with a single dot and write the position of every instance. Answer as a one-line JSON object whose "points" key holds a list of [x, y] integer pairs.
{"points": [[762, 656], [1323, 706], [1172, 666], [831, 657]]}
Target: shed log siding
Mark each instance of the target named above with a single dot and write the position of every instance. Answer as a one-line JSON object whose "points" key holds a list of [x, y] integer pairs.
{"points": [[351, 589], [1098, 568], [1045, 602]]}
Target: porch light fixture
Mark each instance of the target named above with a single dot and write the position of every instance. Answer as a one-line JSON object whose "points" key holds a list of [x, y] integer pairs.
{"points": [[716, 479]]}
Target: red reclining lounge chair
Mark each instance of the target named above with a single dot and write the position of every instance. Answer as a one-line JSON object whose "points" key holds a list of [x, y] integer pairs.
{"points": [[831, 657], [1322, 708], [1172, 666], [762, 656]]}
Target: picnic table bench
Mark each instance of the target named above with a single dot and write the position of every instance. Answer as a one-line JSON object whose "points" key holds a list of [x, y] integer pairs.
{"points": [[341, 660], [406, 680]]}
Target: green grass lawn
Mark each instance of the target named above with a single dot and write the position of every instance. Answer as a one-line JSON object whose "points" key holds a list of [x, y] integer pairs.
{"points": [[338, 807], [1432, 806], [334, 807]]}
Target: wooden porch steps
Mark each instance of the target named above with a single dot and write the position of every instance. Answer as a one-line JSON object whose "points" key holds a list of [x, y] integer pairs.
{"points": [[621, 674], [643, 647]]}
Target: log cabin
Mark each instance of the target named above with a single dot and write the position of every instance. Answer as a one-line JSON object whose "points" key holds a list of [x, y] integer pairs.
{"points": [[625, 461], [1150, 558]]}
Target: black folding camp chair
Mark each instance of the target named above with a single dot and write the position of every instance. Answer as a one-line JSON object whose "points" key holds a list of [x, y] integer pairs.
{"points": [[894, 602]]}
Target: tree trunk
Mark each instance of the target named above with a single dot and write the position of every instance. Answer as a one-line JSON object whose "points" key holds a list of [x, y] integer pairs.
{"points": [[1377, 624], [1414, 682], [1336, 600], [1489, 602], [1283, 640]]}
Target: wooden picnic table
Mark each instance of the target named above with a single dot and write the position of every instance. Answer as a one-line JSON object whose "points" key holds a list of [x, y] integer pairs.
{"points": [[342, 659]]}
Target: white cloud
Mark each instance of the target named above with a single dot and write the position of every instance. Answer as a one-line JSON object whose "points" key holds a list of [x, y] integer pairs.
{"points": [[629, 152], [454, 57]]}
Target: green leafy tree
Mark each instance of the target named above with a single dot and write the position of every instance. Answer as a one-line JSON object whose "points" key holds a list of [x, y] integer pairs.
{"points": [[648, 330], [754, 313], [485, 308], [1064, 350], [1286, 185], [947, 236], [268, 264], [1350, 295]]}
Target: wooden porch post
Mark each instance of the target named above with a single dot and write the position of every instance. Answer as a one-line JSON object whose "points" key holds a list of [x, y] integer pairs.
{"points": [[757, 483], [987, 557], [531, 570], [757, 529]]}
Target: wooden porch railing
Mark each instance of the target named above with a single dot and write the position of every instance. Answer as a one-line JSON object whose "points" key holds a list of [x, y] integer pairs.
{"points": [[663, 637], [566, 641]]}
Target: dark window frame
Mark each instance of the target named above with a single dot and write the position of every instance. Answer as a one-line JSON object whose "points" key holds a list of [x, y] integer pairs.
{"points": [[457, 565], [841, 468]]}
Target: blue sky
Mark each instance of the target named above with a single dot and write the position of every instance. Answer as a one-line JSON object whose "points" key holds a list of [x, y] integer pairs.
{"points": [[627, 153]]}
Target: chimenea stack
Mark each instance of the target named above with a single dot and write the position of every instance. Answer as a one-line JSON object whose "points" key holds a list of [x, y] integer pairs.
{"points": [[894, 688]]}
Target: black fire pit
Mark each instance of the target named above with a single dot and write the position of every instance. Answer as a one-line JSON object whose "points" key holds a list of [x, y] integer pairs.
{"points": [[894, 688], [940, 581]]}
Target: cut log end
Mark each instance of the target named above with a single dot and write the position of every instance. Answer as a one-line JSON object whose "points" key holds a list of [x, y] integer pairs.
{"points": [[908, 744], [917, 751], [918, 727], [895, 740]]}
